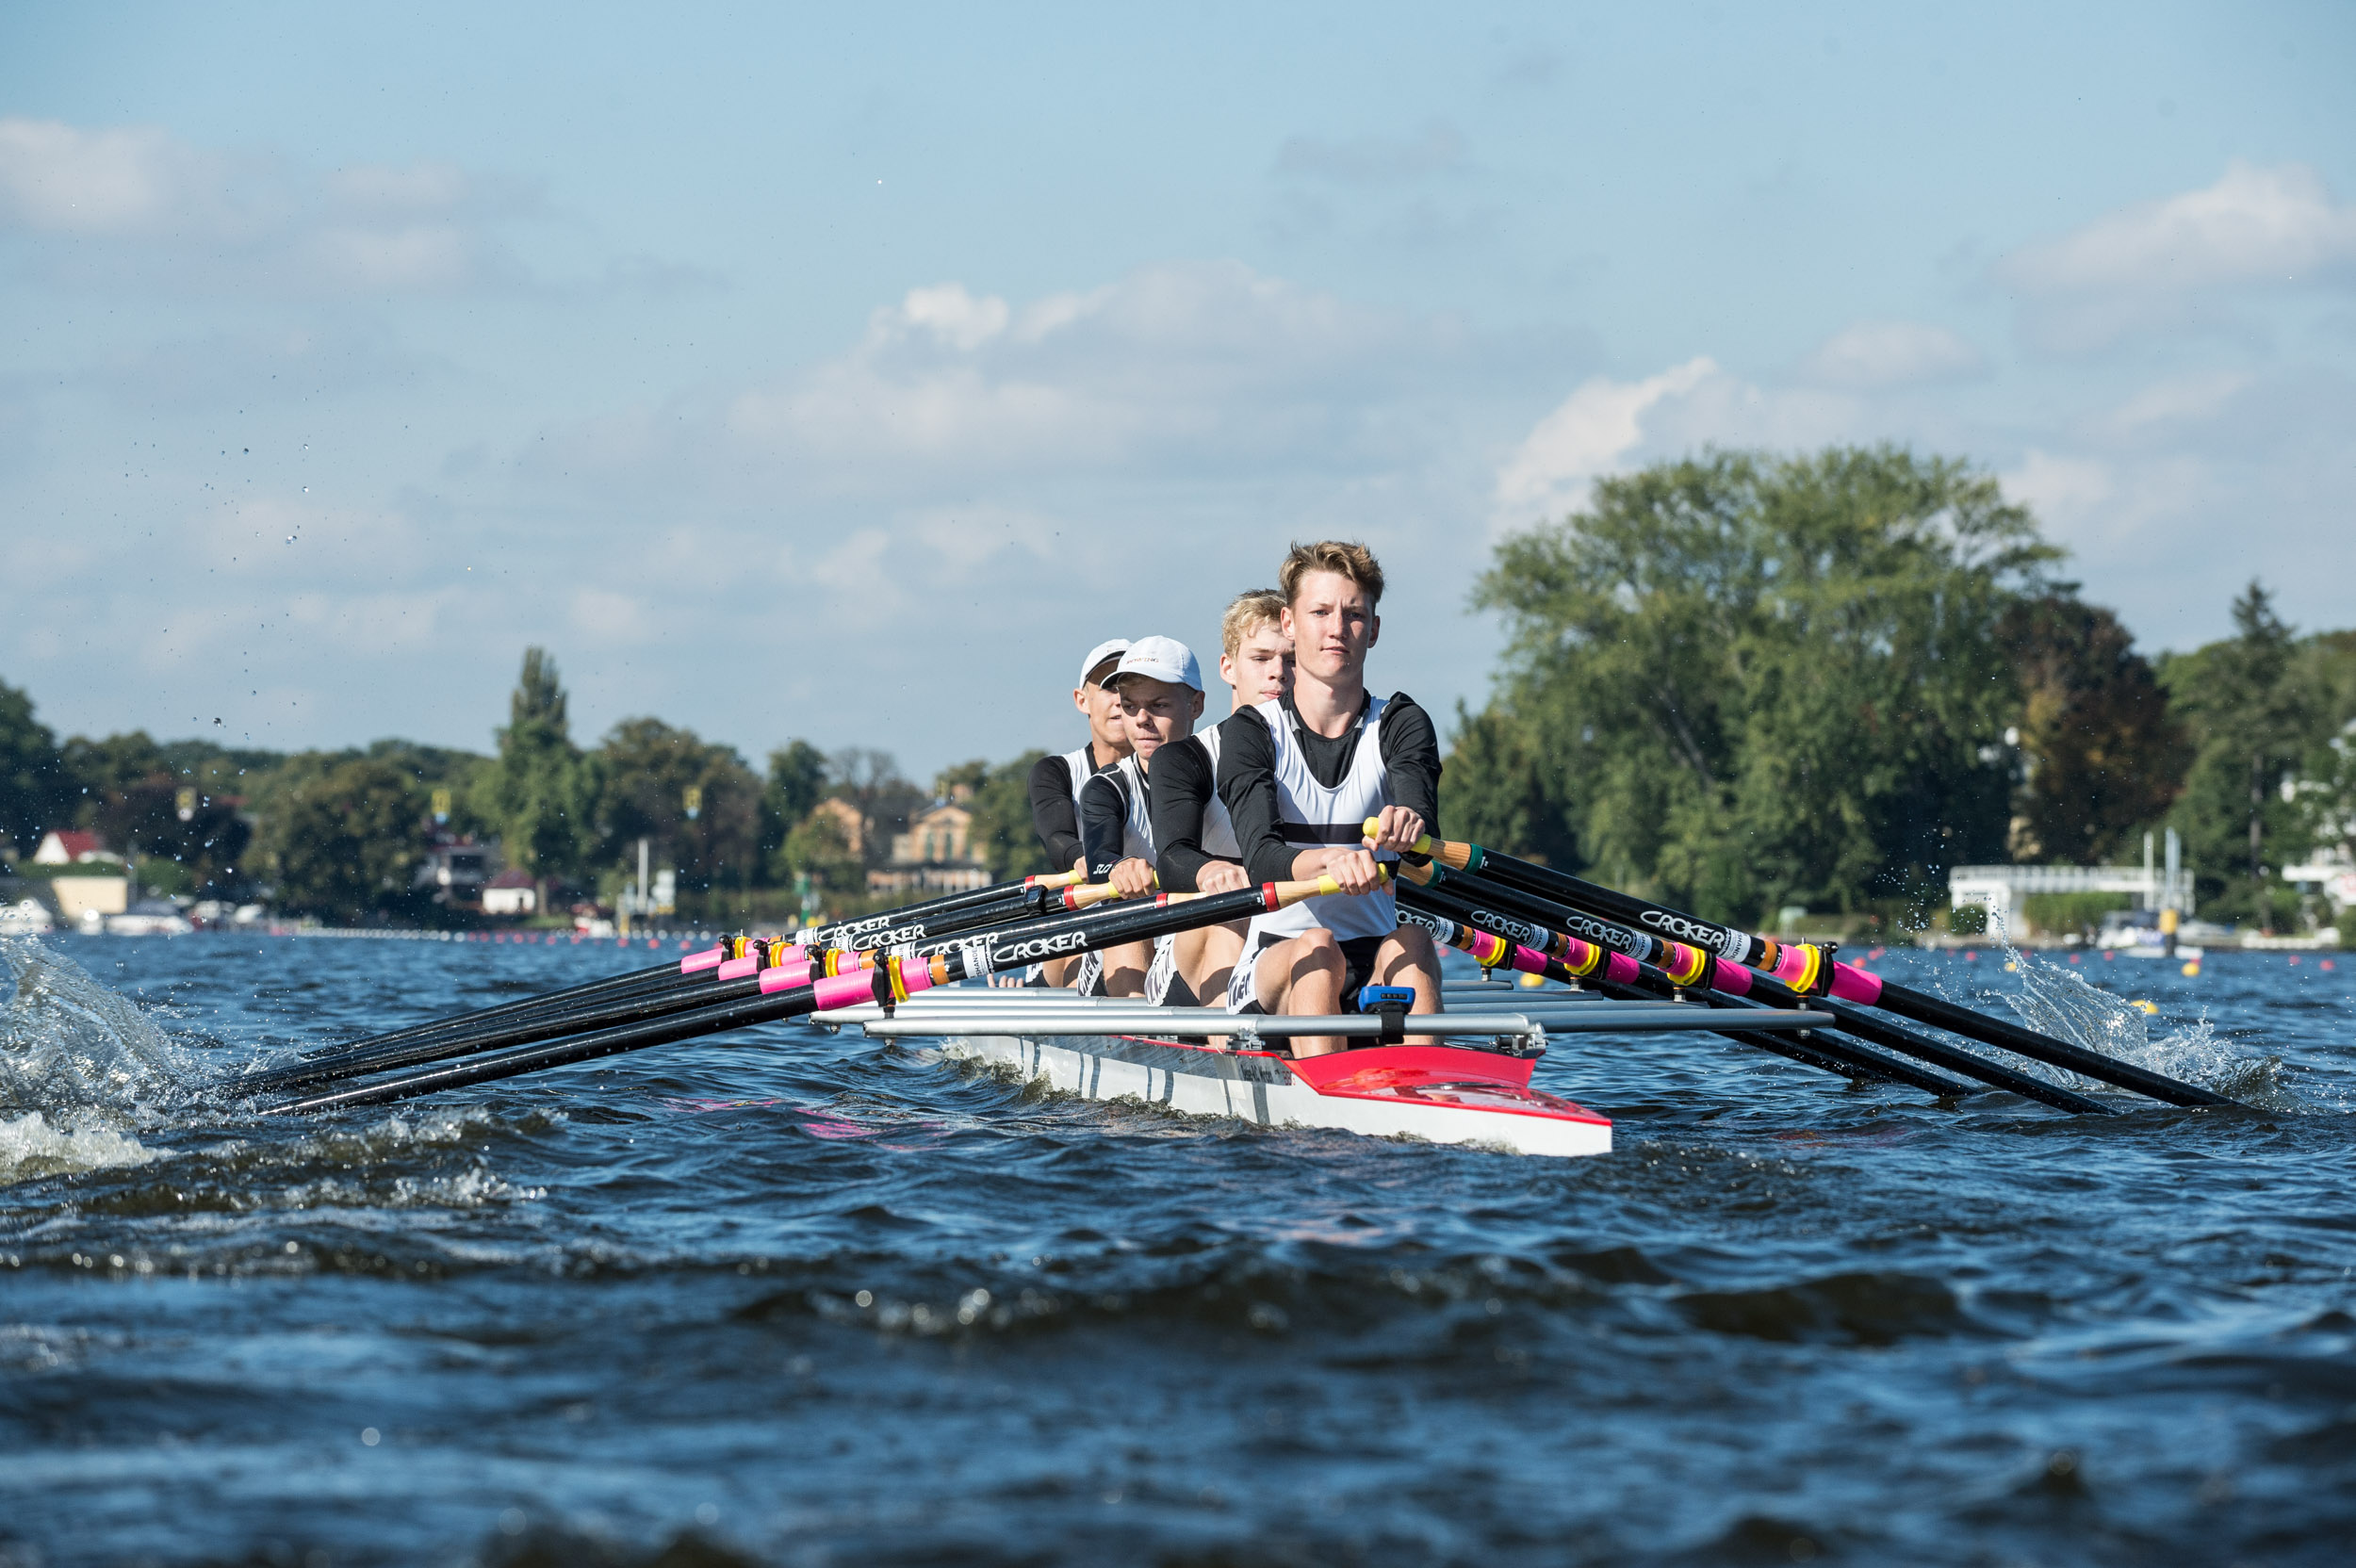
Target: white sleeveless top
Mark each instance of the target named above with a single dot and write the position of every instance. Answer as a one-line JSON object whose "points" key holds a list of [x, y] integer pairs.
{"points": [[1309, 814], [1078, 765], [1218, 828]]}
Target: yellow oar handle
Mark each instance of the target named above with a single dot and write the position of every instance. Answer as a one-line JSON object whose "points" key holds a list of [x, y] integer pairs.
{"points": [[1289, 893], [1456, 856]]}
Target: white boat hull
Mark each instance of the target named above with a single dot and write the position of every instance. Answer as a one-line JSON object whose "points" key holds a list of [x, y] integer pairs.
{"points": [[1436, 1093]]}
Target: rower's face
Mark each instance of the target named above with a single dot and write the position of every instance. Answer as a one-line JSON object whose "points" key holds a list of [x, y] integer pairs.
{"points": [[1331, 624], [1157, 712], [1102, 708], [1261, 669]]}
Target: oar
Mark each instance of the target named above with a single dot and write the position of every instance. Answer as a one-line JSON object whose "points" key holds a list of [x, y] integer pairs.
{"points": [[607, 989], [1576, 963], [891, 980], [732, 958], [745, 966], [1812, 970], [1688, 967]]}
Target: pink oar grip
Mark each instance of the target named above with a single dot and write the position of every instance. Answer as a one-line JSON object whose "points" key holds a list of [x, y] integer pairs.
{"points": [[695, 961], [1528, 959], [916, 975], [1620, 969], [1733, 979], [1791, 966], [846, 990], [736, 969], [784, 977], [1852, 984]]}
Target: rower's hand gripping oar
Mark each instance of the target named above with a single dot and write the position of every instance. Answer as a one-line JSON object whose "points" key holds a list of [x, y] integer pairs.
{"points": [[1813, 970], [891, 980]]}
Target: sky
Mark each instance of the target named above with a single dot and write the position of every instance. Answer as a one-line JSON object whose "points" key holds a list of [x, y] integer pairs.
{"points": [[846, 373]]}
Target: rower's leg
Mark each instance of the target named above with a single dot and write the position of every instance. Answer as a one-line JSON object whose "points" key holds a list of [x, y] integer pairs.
{"points": [[1206, 958], [1301, 977], [1125, 967], [1408, 959], [1062, 971]]}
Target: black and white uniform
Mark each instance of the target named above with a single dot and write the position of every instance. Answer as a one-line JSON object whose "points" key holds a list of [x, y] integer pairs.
{"points": [[1117, 824], [1192, 827], [1055, 784], [1390, 756]]}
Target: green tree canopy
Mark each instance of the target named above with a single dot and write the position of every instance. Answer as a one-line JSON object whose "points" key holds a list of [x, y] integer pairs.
{"points": [[2105, 757], [647, 768], [2256, 714], [1744, 681], [35, 796], [1001, 804], [344, 836], [797, 781], [541, 791]]}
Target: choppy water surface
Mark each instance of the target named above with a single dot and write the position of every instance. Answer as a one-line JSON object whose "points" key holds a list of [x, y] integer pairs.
{"points": [[804, 1298]]}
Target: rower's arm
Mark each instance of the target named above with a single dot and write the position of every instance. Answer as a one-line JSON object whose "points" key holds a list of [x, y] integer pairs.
{"points": [[1411, 759], [1053, 814], [1104, 820], [1246, 783], [1182, 792]]}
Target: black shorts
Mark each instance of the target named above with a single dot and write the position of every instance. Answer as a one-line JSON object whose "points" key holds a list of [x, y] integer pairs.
{"points": [[1358, 955]]}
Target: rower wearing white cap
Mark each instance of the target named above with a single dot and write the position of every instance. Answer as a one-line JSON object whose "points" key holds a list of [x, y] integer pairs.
{"points": [[1055, 780], [1159, 686]]}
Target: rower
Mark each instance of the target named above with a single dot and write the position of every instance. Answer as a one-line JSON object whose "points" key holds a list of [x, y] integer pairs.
{"points": [[1160, 689], [1196, 851], [1055, 780], [1300, 783]]}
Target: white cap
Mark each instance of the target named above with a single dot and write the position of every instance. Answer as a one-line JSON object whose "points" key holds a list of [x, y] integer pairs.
{"points": [[1108, 649], [1160, 659]]}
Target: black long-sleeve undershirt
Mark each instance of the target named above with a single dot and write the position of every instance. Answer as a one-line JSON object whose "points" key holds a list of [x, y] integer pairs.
{"points": [[1104, 821], [1183, 786], [1053, 814], [1247, 775]]}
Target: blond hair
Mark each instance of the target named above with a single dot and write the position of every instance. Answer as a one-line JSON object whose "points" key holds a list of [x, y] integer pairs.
{"points": [[1347, 558], [1247, 613]]}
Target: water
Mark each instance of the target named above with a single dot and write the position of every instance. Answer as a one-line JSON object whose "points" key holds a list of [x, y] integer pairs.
{"points": [[804, 1298]]}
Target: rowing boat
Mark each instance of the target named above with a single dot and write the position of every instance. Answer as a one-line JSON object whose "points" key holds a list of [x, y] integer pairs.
{"points": [[1472, 1088]]}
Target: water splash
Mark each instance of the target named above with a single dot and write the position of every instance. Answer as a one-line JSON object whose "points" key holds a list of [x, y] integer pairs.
{"points": [[30, 1147], [2059, 1000], [81, 1069]]}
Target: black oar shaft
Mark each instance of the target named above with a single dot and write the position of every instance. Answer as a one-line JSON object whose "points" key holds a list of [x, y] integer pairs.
{"points": [[986, 955], [1459, 892], [1745, 948]]}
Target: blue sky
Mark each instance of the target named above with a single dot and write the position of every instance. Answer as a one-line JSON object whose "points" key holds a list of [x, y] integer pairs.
{"points": [[795, 373]]}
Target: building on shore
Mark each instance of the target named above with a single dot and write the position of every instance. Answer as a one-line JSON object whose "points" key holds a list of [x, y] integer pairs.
{"points": [[511, 892], [936, 854]]}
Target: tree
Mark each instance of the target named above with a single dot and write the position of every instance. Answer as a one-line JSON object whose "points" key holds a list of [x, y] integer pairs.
{"points": [[540, 792], [819, 849], [2253, 723], [871, 782], [1001, 802], [128, 790], [34, 792], [647, 768], [2105, 756], [1744, 682], [797, 781], [1492, 792], [344, 837]]}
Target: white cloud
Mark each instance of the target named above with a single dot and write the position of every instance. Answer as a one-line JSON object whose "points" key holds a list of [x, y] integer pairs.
{"points": [[2063, 492], [1877, 355], [2152, 265], [133, 204], [57, 179], [1585, 438], [2175, 403], [1172, 362]]}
